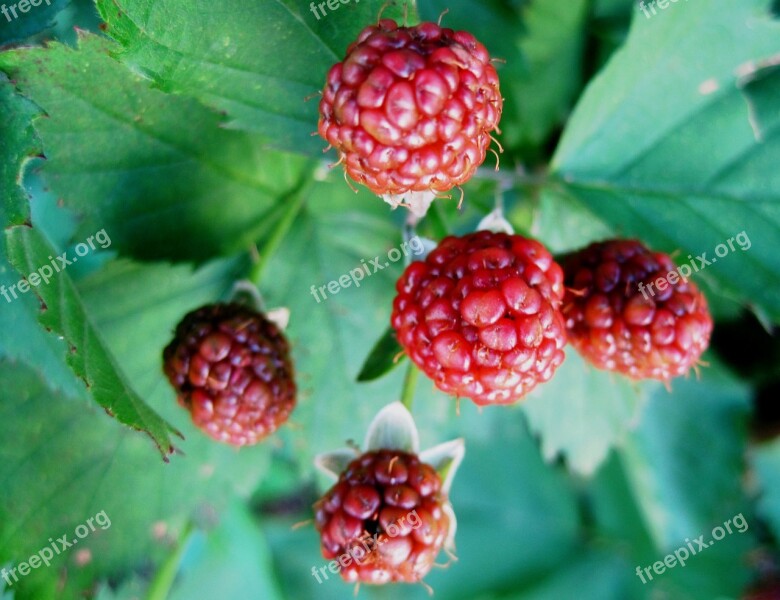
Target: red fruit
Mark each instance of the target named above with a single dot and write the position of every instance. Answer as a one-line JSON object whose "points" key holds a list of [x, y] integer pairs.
{"points": [[480, 316], [386, 514], [411, 108], [231, 369], [619, 319]]}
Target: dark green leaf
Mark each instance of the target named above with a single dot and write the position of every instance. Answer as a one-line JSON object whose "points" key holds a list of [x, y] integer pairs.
{"points": [[384, 357], [677, 147], [160, 174], [258, 62], [63, 313]]}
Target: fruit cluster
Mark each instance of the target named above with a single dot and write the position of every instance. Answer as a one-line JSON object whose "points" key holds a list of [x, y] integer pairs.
{"points": [[486, 315]]}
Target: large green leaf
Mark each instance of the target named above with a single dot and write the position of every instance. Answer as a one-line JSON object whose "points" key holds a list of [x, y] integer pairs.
{"points": [[676, 142], [62, 312], [158, 173], [256, 61], [682, 466], [63, 461], [21, 337], [59, 309], [235, 545], [583, 412], [17, 144]]}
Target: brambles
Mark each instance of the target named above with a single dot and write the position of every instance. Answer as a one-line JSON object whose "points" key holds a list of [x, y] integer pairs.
{"points": [[231, 369], [410, 110], [480, 316], [618, 323]]}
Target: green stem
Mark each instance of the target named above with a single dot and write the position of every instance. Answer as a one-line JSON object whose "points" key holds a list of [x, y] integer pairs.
{"points": [[163, 580], [410, 384], [438, 222], [295, 199]]}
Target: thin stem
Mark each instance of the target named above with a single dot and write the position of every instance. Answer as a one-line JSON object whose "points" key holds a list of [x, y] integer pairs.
{"points": [[161, 585], [410, 385], [263, 256]]}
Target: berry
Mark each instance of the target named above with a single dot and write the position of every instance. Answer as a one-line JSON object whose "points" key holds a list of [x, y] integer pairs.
{"points": [[387, 513], [619, 319], [231, 369], [480, 316], [410, 109]]}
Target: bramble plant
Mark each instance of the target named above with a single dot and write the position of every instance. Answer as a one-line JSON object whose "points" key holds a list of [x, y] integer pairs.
{"points": [[511, 224]]}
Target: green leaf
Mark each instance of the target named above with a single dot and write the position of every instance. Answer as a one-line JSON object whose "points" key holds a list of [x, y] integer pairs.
{"points": [[582, 412], [565, 223], [17, 144], [63, 313], [62, 461], [552, 44], [257, 62], [677, 147], [159, 173], [236, 545], [699, 428], [21, 337], [597, 576], [384, 357]]}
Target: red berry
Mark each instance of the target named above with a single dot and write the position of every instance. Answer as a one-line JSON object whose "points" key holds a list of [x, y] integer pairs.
{"points": [[410, 109], [480, 316], [386, 514], [231, 369], [619, 319]]}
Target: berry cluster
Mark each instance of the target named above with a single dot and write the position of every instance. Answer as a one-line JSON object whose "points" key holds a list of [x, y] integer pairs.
{"points": [[386, 512], [486, 315]]}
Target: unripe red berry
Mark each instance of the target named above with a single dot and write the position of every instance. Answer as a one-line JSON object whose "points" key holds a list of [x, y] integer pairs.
{"points": [[480, 316], [231, 369], [619, 319], [386, 513], [411, 109]]}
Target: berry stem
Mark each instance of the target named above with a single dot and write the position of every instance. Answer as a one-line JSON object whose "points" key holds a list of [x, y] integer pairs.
{"points": [[262, 256], [163, 580], [438, 222], [410, 385]]}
